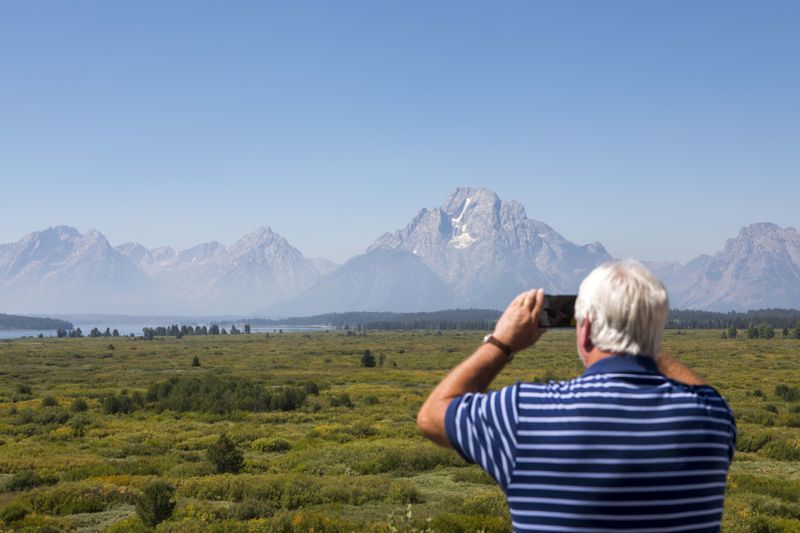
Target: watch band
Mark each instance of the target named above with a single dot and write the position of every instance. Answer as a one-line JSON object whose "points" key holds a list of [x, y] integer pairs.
{"points": [[491, 339]]}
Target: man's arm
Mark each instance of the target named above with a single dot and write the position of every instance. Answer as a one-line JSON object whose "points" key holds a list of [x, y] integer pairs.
{"points": [[677, 371], [517, 328]]}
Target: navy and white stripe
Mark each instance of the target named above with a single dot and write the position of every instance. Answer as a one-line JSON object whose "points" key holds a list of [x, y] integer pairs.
{"points": [[621, 448]]}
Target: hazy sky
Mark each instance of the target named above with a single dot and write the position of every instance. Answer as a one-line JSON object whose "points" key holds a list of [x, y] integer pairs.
{"points": [[656, 128]]}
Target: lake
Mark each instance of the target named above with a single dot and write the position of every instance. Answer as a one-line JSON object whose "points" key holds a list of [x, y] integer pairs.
{"points": [[136, 329]]}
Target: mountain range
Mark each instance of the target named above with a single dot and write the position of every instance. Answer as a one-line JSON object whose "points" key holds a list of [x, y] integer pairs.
{"points": [[475, 250]]}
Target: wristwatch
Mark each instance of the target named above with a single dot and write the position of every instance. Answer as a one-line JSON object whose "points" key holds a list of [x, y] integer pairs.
{"points": [[491, 339]]}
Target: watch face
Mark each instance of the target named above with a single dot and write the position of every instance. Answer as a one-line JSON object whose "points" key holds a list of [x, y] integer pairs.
{"points": [[487, 337]]}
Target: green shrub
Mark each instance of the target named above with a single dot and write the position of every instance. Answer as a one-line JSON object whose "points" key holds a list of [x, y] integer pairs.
{"points": [[78, 405], [48, 416], [342, 433], [251, 508], [79, 497], [791, 420], [271, 445], [472, 475], [308, 521], [787, 393], [49, 401], [403, 492], [78, 423], [14, 512], [225, 455], [341, 400], [408, 459], [29, 479], [218, 395], [751, 440], [782, 450], [462, 523], [486, 504], [122, 403], [132, 524], [156, 502]]}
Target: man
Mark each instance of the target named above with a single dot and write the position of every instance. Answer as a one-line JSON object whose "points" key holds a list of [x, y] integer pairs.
{"points": [[638, 443]]}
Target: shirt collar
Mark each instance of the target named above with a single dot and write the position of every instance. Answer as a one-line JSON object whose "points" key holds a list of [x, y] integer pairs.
{"points": [[624, 363]]}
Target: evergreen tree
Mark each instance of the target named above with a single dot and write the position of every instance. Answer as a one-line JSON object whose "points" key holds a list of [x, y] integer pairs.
{"points": [[247, 329], [225, 455], [156, 502], [732, 331], [765, 331], [367, 359]]}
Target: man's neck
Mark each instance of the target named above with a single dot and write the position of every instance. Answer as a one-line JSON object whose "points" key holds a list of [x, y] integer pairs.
{"points": [[594, 356]]}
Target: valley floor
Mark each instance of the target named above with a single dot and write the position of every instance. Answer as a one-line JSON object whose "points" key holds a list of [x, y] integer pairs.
{"points": [[347, 457]]}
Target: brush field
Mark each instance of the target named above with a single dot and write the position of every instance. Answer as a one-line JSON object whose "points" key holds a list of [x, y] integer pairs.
{"points": [[329, 445]]}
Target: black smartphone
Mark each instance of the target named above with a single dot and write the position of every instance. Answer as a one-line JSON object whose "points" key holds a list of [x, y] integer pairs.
{"points": [[558, 311]]}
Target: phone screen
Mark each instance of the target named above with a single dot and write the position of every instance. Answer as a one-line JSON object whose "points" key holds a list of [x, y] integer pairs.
{"points": [[558, 311]]}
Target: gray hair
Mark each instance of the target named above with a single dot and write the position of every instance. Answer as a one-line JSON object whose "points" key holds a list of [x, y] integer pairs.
{"points": [[627, 307]]}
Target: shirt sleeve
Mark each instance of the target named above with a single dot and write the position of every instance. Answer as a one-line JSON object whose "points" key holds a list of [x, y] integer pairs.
{"points": [[482, 428]]}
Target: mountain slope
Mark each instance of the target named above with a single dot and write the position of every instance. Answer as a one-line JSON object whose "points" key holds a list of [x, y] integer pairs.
{"points": [[760, 268], [259, 269], [60, 270], [381, 279], [487, 250], [474, 251]]}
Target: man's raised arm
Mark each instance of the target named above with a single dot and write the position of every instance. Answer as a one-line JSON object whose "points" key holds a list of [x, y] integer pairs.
{"points": [[517, 328], [677, 371]]}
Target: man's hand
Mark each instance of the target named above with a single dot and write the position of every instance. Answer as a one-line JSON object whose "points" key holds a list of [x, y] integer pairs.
{"points": [[518, 327]]}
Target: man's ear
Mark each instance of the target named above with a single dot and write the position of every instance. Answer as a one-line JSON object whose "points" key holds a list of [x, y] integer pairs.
{"points": [[586, 335]]}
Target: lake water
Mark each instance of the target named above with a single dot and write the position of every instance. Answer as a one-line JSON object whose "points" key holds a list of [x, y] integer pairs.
{"points": [[136, 329]]}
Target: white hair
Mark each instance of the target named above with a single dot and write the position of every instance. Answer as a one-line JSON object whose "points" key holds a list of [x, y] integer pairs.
{"points": [[627, 308]]}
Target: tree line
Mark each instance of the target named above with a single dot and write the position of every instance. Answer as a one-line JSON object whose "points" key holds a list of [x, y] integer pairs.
{"points": [[31, 322], [181, 331], [450, 319], [763, 330], [690, 319]]}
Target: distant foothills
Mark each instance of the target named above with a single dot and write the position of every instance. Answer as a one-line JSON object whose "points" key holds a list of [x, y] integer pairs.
{"points": [[447, 319], [475, 251]]}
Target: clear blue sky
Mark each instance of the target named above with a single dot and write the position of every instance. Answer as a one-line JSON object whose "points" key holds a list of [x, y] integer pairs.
{"points": [[656, 128]]}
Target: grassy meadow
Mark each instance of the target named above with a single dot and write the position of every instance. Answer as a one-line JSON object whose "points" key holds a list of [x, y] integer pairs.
{"points": [[347, 457]]}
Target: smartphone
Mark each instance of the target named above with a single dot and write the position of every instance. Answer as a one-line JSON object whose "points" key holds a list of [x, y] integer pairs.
{"points": [[558, 311]]}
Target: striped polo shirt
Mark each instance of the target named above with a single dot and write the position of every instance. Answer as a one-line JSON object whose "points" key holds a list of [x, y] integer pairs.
{"points": [[621, 448]]}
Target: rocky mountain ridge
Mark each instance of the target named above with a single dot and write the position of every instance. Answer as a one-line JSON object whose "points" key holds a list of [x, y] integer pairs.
{"points": [[475, 250]]}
